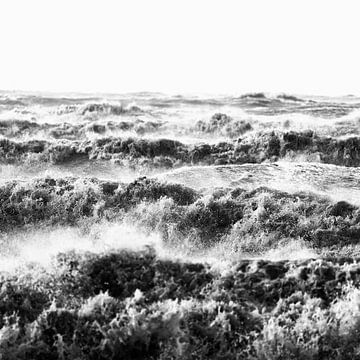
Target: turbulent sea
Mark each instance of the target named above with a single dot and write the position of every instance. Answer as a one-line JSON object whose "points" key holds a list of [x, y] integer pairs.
{"points": [[148, 226]]}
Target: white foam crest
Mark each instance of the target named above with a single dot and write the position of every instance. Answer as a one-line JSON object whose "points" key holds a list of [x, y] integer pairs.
{"points": [[345, 125], [353, 115], [295, 249], [41, 245], [101, 170], [335, 182]]}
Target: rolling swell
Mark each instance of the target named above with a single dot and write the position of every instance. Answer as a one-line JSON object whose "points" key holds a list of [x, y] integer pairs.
{"points": [[69, 200], [111, 109], [251, 221], [264, 104], [255, 148], [15, 129]]}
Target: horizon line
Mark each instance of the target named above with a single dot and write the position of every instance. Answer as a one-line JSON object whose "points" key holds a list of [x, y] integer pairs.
{"points": [[172, 93]]}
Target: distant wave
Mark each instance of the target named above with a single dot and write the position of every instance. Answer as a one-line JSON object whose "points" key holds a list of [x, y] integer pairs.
{"points": [[259, 103], [262, 96], [11, 102], [253, 96], [18, 128], [168, 102], [72, 125], [24, 129], [223, 125], [290, 98], [106, 108], [253, 103], [54, 101]]}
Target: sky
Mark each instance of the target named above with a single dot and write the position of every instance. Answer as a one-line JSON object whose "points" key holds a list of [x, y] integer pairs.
{"points": [[180, 46]]}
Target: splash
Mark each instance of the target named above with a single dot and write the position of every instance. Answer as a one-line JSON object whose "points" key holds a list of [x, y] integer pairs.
{"points": [[41, 245]]}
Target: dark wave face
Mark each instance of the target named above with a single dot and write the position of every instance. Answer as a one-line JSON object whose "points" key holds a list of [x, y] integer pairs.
{"points": [[154, 226]]}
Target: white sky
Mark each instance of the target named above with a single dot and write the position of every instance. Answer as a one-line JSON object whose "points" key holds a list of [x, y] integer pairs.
{"points": [[179, 46]]}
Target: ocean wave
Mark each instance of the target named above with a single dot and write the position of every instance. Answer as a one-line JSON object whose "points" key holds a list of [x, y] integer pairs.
{"points": [[253, 96], [43, 100], [83, 297], [336, 182], [223, 125], [109, 109], [88, 300], [228, 117], [66, 109], [216, 127], [256, 103], [18, 128], [252, 222], [287, 97], [271, 99], [273, 145], [262, 104], [254, 148], [247, 221], [69, 200], [232, 246], [25, 129], [178, 100], [259, 98], [10, 102]]}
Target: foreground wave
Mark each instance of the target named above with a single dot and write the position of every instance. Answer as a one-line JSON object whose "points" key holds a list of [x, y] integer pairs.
{"points": [[134, 305]]}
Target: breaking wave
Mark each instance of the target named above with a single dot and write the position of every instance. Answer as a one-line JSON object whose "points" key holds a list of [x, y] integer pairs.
{"points": [[240, 242], [167, 153]]}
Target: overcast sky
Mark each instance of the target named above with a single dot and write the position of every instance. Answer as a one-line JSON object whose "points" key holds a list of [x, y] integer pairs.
{"points": [[304, 47]]}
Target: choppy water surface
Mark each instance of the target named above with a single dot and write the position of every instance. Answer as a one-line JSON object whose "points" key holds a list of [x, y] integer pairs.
{"points": [[117, 138], [110, 204]]}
